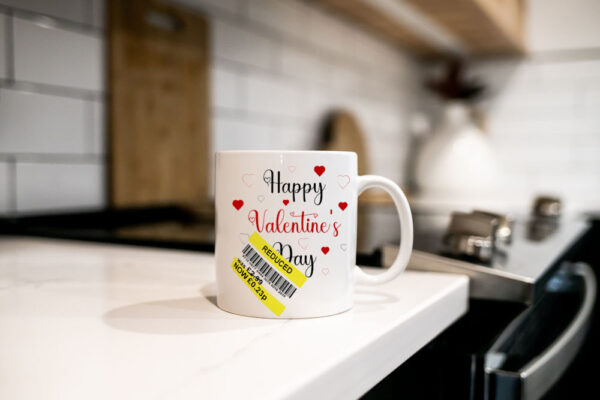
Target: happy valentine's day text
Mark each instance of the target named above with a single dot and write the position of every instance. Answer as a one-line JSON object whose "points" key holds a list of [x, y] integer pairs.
{"points": [[293, 222]]}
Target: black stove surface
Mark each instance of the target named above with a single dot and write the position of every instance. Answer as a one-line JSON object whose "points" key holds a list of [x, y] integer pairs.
{"points": [[167, 227]]}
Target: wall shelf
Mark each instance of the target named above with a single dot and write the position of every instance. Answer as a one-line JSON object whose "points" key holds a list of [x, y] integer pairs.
{"points": [[432, 28]]}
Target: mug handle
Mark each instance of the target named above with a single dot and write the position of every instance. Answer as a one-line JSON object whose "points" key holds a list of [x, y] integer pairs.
{"points": [[406, 229]]}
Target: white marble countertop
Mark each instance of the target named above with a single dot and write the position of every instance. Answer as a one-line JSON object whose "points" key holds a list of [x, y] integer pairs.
{"points": [[93, 321]]}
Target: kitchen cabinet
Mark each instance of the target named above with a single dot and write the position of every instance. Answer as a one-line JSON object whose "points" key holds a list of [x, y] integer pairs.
{"points": [[432, 27]]}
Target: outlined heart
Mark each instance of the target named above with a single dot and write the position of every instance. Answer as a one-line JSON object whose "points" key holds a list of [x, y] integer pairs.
{"points": [[286, 202], [248, 179], [325, 271], [303, 243], [342, 205], [243, 238], [260, 198], [292, 169], [343, 181], [343, 246], [237, 204], [319, 169], [325, 249]]}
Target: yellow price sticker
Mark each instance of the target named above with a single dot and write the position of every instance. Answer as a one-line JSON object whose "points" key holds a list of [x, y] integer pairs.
{"points": [[261, 293], [277, 260]]}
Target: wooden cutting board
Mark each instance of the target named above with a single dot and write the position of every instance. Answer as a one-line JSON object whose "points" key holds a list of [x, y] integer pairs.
{"points": [[158, 113], [343, 132]]}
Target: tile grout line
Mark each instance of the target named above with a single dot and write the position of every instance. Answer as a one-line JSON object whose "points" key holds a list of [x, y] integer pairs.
{"points": [[88, 115], [52, 90], [10, 47], [12, 184], [56, 22], [48, 158], [88, 16]]}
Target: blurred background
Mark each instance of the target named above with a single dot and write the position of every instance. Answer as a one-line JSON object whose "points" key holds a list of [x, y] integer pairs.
{"points": [[107, 103], [111, 113]]}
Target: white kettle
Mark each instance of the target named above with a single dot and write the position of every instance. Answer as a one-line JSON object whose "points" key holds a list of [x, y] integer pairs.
{"points": [[457, 161]]}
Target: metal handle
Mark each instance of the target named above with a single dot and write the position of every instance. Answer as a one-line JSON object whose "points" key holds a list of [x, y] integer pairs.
{"points": [[542, 372]]}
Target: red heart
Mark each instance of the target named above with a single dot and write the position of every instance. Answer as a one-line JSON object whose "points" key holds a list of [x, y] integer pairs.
{"points": [[325, 250], [343, 205], [319, 169], [238, 204], [286, 202]]}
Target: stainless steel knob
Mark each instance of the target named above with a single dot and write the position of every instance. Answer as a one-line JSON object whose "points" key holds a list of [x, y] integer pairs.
{"points": [[504, 232], [471, 234], [547, 207]]}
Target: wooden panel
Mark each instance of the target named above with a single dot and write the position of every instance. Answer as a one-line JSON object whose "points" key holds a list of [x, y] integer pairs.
{"points": [[376, 20], [158, 95], [344, 133], [483, 26]]}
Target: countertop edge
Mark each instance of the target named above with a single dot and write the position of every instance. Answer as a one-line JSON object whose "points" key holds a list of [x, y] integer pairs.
{"points": [[441, 312]]}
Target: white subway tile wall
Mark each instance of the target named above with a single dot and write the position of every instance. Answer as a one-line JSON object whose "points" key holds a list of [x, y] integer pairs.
{"points": [[70, 10], [563, 25], [98, 141], [41, 123], [301, 63], [51, 105], [271, 95], [59, 186], [542, 112], [97, 13], [226, 88], [3, 56], [231, 6], [286, 17], [54, 56], [543, 117], [278, 66], [4, 183], [232, 42]]}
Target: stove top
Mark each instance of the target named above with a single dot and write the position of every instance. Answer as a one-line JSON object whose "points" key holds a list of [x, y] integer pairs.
{"points": [[515, 270]]}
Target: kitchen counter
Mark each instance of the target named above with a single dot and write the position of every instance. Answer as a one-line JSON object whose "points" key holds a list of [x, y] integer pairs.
{"points": [[98, 321]]}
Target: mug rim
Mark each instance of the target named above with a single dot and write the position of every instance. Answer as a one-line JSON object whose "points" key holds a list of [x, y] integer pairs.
{"points": [[285, 152]]}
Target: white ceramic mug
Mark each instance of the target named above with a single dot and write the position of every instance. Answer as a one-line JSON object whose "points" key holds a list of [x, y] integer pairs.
{"points": [[286, 232]]}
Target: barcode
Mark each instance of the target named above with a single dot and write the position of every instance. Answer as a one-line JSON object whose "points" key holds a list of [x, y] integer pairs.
{"points": [[270, 274]]}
